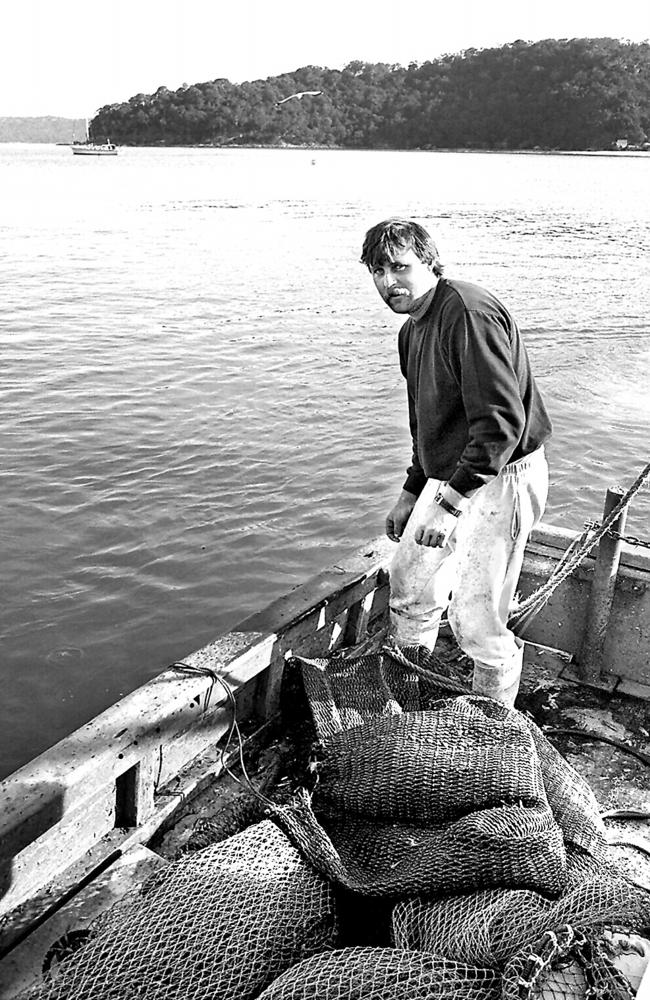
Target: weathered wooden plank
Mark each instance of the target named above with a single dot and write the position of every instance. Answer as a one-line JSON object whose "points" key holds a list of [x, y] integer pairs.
{"points": [[634, 690], [76, 832], [358, 618], [559, 623], [363, 563], [98, 753], [16, 920], [75, 825]]}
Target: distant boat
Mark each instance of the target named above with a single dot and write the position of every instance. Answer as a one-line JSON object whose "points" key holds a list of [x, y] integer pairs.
{"points": [[90, 148], [94, 149]]}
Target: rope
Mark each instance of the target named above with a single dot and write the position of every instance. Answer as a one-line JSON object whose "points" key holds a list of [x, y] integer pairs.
{"points": [[182, 667], [453, 684], [574, 556], [586, 734]]}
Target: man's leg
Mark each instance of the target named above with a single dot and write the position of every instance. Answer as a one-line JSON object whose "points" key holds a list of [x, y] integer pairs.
{"points": [[421, 579], [490, 552]]}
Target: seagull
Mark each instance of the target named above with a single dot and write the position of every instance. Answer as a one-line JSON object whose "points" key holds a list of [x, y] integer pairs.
{"points": [[300, 95]]}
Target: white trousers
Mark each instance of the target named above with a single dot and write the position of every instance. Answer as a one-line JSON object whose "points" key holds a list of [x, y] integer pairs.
{"points": [[474, 576]]}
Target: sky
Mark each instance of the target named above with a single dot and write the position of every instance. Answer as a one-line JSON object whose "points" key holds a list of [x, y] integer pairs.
{"points": [[68, 58]]}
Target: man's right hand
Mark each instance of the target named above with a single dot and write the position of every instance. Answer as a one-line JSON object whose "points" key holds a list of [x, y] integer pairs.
{"points": [[399, 515]]}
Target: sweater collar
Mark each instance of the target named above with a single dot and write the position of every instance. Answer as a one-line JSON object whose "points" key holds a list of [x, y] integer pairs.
{"points": [[425, 304]]}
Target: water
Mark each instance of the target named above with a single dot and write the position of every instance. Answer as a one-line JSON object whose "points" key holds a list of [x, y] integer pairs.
{"points": [[201, 402]]}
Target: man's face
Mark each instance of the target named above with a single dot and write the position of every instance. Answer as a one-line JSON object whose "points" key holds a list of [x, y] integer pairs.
{"points": [[403, 281]]}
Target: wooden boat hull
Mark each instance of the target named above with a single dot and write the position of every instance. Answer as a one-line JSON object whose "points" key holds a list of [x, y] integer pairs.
{"points": [[94, 151]]}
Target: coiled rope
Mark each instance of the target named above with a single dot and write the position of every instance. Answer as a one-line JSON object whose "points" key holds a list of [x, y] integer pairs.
{"points": [[573, 556]]}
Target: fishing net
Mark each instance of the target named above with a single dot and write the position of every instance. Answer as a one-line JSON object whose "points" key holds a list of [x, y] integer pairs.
{"points": [[466, 801], [218, 923], [383, 974], [574, 964], [440, 827], [566, 965], [492, 926], [422, 794]]}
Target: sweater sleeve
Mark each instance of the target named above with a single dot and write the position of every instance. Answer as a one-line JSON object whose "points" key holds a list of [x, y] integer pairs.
{"points": [[415, 476], [480, 356]]}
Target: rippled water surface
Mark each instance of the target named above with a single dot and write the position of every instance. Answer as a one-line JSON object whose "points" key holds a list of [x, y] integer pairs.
{"points": [[201, 403]]}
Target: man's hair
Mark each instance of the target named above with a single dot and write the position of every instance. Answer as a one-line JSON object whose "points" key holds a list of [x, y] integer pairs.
{"points": [[393, 236]]}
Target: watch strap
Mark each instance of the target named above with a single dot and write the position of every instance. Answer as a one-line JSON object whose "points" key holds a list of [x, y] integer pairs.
{"points": [[442, 502]]}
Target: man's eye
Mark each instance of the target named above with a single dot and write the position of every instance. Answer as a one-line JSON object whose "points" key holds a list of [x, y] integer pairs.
{"points": [[399, 267]]}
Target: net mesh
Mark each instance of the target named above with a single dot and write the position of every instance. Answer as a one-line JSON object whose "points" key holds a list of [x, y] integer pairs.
{"points": [[490, 927], [445, 831], [383, 974], [567, 964], [219, 923], [422, 794]]}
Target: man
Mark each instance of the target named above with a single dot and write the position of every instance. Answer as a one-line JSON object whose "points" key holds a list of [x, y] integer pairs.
{"points": [[478, 480]]}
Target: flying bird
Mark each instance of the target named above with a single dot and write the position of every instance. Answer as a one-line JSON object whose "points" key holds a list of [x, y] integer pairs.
{"points": [[300, 95]]}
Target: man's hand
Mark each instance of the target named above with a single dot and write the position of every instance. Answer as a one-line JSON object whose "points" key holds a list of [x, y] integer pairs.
{"points": [[436, 527], [399, 515]]}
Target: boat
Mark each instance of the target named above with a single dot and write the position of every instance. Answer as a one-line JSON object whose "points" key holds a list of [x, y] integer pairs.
{"points": [[91, 148], [107, 148], [96, 814]]}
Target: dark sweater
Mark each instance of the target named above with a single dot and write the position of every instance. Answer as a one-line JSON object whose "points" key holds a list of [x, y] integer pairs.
{"points": [[474, 405]]}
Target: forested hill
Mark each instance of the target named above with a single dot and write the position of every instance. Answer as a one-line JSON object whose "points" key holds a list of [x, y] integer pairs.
{"points": [[581, 93]]}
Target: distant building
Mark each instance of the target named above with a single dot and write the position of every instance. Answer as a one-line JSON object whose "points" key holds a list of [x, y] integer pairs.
{"points": [[621, 143]]}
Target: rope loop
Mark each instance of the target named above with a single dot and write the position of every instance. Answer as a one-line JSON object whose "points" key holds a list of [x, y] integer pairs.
{"points": [[182, 667]]}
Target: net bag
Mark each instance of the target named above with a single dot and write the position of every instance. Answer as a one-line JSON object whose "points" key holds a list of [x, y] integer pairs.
{"points": [[218, 923], [587, 943], [491, 927], [422, 794], [383, 974]]}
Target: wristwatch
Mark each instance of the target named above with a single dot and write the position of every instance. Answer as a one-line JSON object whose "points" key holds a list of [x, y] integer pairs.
{"points": [[440, 500]]}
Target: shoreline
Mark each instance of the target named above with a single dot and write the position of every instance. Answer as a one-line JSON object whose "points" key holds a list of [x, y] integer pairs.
{"points": [[308, 147]]}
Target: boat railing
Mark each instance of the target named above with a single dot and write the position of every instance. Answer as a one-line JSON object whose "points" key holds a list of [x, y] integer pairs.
{"points": [[572, 608]]}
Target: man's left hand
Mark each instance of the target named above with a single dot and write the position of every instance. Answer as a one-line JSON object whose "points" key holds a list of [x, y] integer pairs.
{"points": [[436, 527]]}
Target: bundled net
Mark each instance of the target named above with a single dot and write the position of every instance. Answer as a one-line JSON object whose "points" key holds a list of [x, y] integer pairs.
{"points": [[449, 814], [423, 794], [219, 923], [383, 974], [465, 801], [494, 926]]}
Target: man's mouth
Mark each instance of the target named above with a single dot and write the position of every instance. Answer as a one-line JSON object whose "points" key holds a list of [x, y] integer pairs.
{"points": [[397, 293]]}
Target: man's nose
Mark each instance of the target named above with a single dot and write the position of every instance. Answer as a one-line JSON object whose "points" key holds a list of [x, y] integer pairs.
{"points": [[390, 280]]}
